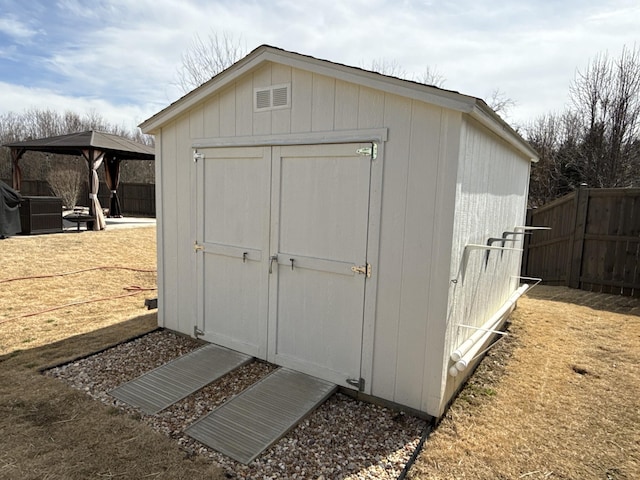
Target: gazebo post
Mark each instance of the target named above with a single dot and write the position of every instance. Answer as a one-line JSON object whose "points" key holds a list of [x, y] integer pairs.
{"points": [[112, 178], [90, 163], [95, 158], [92, 209], [16, 172]]}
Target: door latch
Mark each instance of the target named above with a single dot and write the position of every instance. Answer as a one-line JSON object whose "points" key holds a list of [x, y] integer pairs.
{"points": [[272, 258], [196, 247], [363, 270]]}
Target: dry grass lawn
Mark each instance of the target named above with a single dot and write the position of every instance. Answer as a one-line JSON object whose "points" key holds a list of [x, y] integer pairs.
{"points": [[47, 430], [558, 398]]}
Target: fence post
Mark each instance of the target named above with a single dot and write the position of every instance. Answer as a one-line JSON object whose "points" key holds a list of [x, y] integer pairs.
{"points": [[524, 268], [582, 208]]}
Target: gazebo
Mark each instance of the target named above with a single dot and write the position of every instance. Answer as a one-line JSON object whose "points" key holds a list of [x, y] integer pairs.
{"points": [[96, 148]]}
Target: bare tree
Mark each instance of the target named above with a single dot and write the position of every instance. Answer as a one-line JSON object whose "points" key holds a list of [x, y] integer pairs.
{"points": [[500, 102], [554, 137], [430, 76], [597, 140], [205, 58], [386, 67], [606, 97], [37, 123]]}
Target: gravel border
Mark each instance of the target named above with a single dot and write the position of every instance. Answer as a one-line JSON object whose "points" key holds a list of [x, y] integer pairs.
{"points": [[343, 439]]}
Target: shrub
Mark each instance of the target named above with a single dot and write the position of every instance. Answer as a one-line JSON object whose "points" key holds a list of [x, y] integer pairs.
{"points": [[66, 184]]}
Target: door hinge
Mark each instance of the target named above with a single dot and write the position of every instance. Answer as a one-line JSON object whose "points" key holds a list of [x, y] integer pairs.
{"points": [[197, 332], [356, 382], [197, 155], [371, 151], [196, 247], [363, 270]]}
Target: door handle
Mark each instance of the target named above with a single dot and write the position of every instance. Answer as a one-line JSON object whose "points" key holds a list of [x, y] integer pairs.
{"points": [[273, 258]]}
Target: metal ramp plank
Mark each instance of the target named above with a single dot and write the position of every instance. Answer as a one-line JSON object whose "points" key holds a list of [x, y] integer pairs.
{"points": [[252, 421], [156, 390]]}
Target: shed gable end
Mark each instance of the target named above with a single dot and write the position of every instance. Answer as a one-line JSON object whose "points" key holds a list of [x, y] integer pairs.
{"points": [[271, 97]]}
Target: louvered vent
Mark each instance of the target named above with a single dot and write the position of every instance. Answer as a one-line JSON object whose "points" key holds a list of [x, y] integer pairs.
{"points": [[271, 98], [281, 96], [263, 99]]}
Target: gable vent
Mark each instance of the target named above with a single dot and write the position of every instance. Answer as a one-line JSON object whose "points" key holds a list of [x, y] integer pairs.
{"points": [[263, 99], [281, 96], [271, 98]]}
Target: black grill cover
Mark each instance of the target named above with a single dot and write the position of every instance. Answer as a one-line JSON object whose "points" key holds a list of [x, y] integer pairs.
{"points": [[9, 211]]}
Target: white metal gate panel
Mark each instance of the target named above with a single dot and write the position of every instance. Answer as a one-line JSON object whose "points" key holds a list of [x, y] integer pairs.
{"points": [[319, 221], [233, 233]]}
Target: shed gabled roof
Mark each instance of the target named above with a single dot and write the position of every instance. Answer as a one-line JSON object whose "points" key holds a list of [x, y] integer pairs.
{"points": [[472, 106], [74, 143]]}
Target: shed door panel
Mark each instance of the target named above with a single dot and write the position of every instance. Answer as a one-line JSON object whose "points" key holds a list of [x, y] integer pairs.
{"points": [[233, 230], [320, 207]]}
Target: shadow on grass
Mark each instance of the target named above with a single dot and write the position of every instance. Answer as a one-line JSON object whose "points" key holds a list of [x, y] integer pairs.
{"points": [[597, 301], [79, 346], [52, 431]]}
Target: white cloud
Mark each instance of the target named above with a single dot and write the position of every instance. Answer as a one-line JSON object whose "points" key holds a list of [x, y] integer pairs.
{"points": [[19, 99], [14, 28], [125, 52]]}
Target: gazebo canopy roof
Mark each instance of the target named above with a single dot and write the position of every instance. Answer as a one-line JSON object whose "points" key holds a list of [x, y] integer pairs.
{"points": [[75, 143]]}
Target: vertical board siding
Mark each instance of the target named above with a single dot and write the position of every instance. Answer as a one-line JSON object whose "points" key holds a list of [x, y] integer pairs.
{"points": [[228, 112], [168, 313], [397, 113], [280, 119], [184, 223], [196, 122], [322, 103], [301, 101], [490, 199], [244, 109], [160, 251], [371, 108], [211, 118], [445, 206], [424, 148], [347, 105], [599, 231]]}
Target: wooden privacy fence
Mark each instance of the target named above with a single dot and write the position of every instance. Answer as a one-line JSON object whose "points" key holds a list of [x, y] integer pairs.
{"points": [[135, 198], [593, 244]]}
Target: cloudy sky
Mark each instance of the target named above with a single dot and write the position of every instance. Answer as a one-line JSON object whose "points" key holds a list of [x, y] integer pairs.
{"points": [[119, 58]]}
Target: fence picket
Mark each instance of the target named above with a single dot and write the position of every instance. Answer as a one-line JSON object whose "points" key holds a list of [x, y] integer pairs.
{"points": [[594, 243], [135, 198]]}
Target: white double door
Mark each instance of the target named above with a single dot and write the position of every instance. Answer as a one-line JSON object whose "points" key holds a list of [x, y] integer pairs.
{"points": [[279, 232]]}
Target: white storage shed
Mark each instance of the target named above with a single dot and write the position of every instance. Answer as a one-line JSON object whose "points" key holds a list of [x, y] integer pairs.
{"points": [[334, 220]]}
